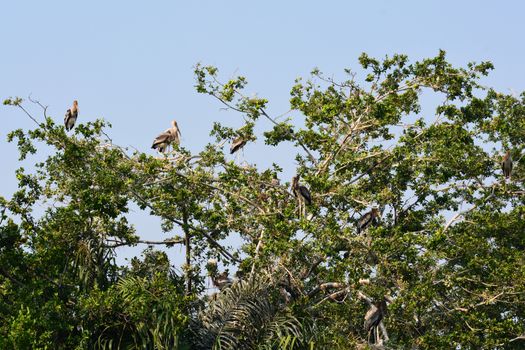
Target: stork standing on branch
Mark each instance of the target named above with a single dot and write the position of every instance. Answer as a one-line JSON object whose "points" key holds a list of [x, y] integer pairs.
{"points": [[219, 280], [373, 319], [237, 144], [302, 194], [506, 165], [222, 280], [368, 219], [171, 135], [71, 116]]}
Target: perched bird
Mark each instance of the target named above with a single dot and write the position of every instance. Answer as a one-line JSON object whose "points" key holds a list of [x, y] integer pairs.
{"points": [[71, 116], [171, 135], [301, 192], [506, 165], [222, 280], [373, 318], [237, 144], [368, 219]]}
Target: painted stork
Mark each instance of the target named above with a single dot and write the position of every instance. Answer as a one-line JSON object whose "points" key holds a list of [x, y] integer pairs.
{"points": [[506, 165], [171, 135], [302, 194], [237, 144], [373, 318], [300, 191], [368, 219], [71, 116], [222, 280]]}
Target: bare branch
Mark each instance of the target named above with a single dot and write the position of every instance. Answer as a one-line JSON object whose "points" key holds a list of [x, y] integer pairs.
{"points": [[521, 337], [38, 103], [30, 116], [335, 296], [256, 255], [323, 287], [165, 242]]}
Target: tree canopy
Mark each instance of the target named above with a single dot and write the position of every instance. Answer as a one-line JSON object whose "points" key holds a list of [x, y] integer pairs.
{"points": [[439, 264]]}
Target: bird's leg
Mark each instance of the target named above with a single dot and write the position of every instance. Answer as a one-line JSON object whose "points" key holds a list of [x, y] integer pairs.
{"points": [[304, 209], [244, 162], [300, 206], [237, 158], [383, 331]]}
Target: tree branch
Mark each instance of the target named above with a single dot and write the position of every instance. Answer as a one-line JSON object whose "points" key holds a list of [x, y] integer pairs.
{"points": [[210, 239], [165, 242], [312, 158], [257, 251], [263, 112], [456, 217], [521, 337], [323, 287], [187, 243]]}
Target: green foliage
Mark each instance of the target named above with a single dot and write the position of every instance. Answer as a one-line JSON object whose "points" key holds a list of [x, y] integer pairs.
{"points": [[447, 251], [246, 316]]}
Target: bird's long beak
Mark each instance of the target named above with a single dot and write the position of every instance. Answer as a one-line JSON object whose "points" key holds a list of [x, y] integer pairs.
{"points": [[177, 127]]}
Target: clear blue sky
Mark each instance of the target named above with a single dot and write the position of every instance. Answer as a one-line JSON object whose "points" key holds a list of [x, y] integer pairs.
{"points": [[130, 62]]}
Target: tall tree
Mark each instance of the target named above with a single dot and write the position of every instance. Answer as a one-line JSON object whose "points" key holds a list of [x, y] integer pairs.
{"points": [[445, 256]]}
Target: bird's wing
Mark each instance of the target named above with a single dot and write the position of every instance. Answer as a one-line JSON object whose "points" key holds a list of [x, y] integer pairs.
{"points": [[67, 116], [306, 194], [364, 219], [162, 138], [237, 144], [371, 317], [506, 165], [174, 136]]}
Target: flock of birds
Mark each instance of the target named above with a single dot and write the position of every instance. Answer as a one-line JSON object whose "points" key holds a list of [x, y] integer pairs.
{"points": [[162, 141], [172, 136]]}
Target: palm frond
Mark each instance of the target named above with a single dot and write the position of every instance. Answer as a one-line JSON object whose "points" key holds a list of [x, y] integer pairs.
{"points": [[248, 315]]}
